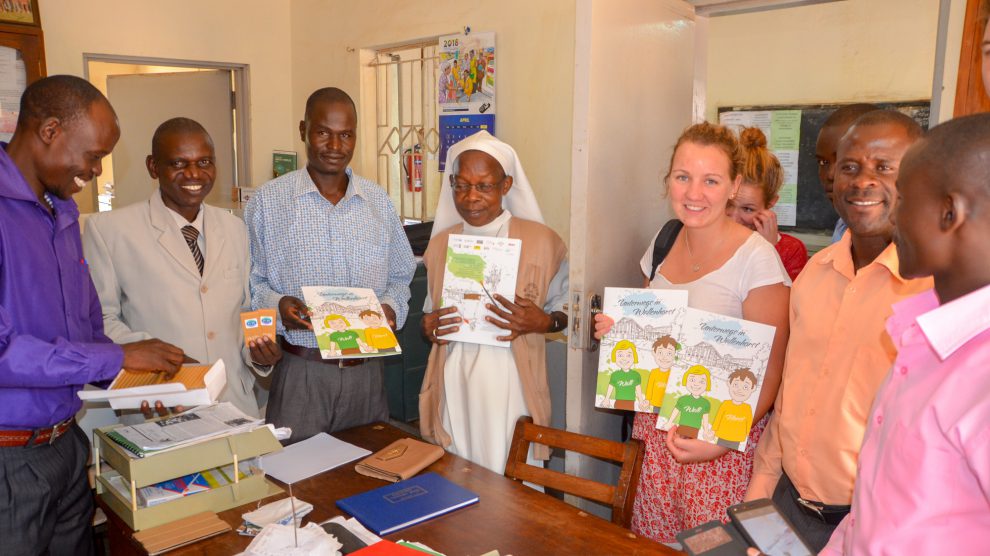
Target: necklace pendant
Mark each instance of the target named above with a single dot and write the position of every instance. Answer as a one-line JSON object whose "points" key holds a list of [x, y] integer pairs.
{"points": [[695, 268]]}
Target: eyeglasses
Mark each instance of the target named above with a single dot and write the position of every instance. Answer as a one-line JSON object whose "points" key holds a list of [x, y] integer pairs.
{"points": [[483, 188]]}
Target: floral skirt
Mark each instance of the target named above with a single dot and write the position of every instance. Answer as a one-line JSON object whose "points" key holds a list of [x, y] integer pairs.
{"points": [[673, 497]]}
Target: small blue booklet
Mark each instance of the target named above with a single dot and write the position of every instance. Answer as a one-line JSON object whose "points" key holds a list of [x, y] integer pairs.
{"points": [[393, 507]]}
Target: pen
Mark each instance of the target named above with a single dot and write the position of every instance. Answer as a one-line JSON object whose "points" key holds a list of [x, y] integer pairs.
{"points": [[495, 303]]}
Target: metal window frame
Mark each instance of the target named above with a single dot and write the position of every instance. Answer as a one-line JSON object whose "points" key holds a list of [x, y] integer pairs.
{"points": [[397, 127]]}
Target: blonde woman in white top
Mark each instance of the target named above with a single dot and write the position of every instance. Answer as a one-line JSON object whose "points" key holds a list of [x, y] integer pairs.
{"points": [[727, 269]]}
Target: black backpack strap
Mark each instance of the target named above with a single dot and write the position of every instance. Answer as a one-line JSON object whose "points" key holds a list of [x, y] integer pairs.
{"points": [[665, 240]]}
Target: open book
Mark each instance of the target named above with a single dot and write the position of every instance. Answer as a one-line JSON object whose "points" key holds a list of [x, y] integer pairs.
{"points": [[193, 385]]}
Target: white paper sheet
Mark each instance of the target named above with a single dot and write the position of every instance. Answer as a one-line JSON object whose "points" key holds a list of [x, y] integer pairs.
{"points": [[310, 457]]}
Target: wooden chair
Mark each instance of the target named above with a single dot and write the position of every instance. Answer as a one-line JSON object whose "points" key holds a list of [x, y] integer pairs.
{"points": [[620, 496]]}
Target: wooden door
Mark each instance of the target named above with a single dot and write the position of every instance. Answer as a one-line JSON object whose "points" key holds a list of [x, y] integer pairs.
{"points": [[144, 101], [971, 96]]}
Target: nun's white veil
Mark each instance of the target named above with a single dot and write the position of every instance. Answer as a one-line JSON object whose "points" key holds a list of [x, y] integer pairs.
{"points": [[520, 200]]}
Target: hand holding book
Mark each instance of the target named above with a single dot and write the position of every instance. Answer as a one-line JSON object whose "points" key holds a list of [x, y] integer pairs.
{"points": [[153, 356], [295, 314], [437, 324], [519, 318]]}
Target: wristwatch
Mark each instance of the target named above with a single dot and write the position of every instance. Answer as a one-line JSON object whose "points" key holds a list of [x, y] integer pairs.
{"points": [[558, 322]]}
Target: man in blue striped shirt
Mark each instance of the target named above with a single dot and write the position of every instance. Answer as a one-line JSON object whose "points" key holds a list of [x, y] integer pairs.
{"points": [[325, 226]]}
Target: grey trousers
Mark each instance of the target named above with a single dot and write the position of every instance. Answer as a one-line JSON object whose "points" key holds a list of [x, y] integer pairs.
{"points": [[312, 397], [46, 505], [814, 531]]}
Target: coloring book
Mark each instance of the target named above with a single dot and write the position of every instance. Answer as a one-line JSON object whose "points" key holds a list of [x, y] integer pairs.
{"points": [[476, 269], [636, 356], [717, 379], [349, 323]]}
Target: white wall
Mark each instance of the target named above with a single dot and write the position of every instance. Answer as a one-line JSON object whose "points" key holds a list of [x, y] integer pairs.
{"points": [[253, 32], [856, 50], [331, 39]]}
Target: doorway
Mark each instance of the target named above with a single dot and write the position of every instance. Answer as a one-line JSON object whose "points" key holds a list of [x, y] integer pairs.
{"points": [[147, 91]]}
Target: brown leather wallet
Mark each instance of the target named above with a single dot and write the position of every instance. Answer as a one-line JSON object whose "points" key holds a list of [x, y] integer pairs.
{"points": [[399, 460]]}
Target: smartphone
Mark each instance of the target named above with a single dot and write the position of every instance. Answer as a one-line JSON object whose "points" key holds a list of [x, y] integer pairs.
{"points": [[765, 528], [712, 539]]}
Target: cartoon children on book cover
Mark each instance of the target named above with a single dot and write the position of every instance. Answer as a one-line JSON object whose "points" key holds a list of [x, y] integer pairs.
{"points": [[636, 356], [717, 379], [349, 323]]}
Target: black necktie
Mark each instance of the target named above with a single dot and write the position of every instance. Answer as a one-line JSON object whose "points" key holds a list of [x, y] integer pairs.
{"points": [[192, 234]]}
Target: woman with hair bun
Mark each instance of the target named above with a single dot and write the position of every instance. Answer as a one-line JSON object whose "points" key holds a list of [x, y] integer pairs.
{"points": [[759, 191], [727, 269]]}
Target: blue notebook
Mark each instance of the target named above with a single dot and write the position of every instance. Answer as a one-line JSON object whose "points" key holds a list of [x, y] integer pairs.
{"points": [[397, 506]]}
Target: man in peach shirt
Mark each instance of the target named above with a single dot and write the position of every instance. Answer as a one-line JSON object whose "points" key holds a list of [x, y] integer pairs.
{"points": [[839, 350]]}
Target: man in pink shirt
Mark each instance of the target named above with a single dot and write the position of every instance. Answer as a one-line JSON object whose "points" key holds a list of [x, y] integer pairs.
{"points": [[923, 482]]}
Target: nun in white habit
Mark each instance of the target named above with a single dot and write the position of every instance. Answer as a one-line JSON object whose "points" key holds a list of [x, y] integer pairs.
{"points": [[473, 394]]}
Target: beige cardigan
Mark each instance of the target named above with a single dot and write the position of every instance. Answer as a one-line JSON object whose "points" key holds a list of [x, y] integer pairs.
{"points": [[541, 255]]}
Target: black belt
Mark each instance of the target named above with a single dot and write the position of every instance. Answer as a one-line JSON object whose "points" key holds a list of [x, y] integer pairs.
{"points": [[826, 513]]}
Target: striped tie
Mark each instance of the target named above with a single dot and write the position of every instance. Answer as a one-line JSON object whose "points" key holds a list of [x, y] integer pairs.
{"points": [[192, 234]]}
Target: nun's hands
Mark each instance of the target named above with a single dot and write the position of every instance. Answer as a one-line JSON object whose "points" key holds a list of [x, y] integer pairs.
{"points": [[519, 318]]}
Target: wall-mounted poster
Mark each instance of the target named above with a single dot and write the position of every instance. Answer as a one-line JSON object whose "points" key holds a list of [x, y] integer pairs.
{"points": [[24, 12], [467, 74], [783, 131], [466, 88], [13, 81]]}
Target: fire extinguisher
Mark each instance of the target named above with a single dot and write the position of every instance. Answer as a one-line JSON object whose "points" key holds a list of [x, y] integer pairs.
{"points": [[412, 163]]}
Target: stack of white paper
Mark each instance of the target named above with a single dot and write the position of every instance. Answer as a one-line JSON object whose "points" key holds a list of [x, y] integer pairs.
{"points": [[310, 457]]}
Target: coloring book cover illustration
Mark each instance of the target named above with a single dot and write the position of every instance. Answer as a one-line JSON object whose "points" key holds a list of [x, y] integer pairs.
{"points": [[716, 382], [636, 356], [476, 269], [349, 323]]}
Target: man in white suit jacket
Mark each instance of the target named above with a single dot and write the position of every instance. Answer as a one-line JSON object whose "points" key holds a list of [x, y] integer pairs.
{"points": [[177, 269]]}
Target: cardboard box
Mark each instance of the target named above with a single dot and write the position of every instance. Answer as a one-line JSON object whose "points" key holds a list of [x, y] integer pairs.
{"points": [[195, 385]]}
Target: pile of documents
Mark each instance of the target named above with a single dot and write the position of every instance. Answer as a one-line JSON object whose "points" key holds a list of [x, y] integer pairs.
{"points": [[286, 540], [196, 425], [194, 483], [280, 512]]}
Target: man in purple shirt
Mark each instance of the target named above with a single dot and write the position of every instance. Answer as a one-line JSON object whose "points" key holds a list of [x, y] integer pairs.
{"points": [[51, 324]]}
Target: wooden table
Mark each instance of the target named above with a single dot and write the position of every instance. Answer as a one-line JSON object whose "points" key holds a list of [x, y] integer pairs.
{"points": [[511, 518]]}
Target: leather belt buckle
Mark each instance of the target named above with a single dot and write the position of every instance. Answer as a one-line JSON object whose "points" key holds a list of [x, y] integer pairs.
{"points": [[53, 432]]}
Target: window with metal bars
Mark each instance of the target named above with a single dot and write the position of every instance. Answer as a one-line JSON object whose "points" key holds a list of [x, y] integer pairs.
{"points": [[406, 128]]}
